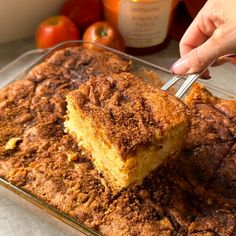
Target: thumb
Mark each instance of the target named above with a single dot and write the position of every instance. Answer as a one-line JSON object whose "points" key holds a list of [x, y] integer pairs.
{"points": [[202, 56]]}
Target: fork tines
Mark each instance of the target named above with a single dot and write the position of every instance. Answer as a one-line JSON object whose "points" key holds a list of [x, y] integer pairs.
{"points": [[190, 79]]}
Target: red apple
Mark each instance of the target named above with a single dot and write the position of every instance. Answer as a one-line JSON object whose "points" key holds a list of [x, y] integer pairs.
{"points": [[83, 12], [54, 30], [102, 32]]}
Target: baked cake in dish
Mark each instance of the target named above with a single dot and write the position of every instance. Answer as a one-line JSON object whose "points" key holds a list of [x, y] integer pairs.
{"points": [[128, 127], [190, 194]]}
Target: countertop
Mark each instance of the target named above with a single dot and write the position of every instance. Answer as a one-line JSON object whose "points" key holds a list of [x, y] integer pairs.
{"points": [[17, 216]]}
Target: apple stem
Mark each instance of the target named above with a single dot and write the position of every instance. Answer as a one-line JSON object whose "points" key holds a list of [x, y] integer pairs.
{"points": [[103, 32]]}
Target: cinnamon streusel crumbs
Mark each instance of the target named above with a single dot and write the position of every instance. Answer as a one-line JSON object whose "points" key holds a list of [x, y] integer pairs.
{"points": [[192, 194]]}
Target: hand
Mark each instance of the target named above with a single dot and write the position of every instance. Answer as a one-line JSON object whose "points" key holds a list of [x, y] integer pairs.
{"points": [[211, 35]]}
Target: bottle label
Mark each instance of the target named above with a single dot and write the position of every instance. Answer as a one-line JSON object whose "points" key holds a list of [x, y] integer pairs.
{"points": [[144, 23]]}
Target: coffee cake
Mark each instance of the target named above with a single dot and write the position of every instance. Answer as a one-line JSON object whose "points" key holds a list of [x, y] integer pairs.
{"points": [[128, 127]]}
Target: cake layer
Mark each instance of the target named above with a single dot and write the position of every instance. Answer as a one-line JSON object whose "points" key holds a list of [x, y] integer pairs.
{"points": [[128, 127]]}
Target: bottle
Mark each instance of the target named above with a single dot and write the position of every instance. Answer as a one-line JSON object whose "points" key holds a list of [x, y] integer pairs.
{"points": [[143, 24]]}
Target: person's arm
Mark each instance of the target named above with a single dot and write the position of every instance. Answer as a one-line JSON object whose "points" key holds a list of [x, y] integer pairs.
{"points": [[211, 35]]}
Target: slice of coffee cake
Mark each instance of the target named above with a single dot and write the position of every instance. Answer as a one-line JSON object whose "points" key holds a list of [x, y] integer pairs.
{"points": [[128, 127]]}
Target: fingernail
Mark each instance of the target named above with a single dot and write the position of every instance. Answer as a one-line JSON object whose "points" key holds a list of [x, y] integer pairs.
{"points": [[181, 66], [230, 58], [230, 55], [206, 77]]}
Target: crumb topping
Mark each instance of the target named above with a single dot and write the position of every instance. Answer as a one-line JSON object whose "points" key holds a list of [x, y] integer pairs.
{"points": [[123, 105]]}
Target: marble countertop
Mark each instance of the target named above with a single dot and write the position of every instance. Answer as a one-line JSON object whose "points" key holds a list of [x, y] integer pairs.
{"points": [[17, 216]]}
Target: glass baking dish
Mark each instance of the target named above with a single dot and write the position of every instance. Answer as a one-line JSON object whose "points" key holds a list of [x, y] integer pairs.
{"points": [[149, 72]]}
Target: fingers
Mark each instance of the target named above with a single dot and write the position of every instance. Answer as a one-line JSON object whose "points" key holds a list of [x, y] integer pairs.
{"points": [[195, 36], [224, 59], [220, 43], [193, 43], [196, 60], [198, 32], [191, 39], [211, 35]]}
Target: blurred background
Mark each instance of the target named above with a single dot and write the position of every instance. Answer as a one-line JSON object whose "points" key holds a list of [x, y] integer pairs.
{"points": [[20, 18]]}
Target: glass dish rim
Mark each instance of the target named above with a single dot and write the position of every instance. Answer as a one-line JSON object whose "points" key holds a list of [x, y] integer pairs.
{"points": [[46, 52], [43, 54]]}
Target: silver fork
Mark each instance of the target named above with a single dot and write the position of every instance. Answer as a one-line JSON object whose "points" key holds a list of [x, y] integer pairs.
{"points": [[190, 79], [185, 86]]}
